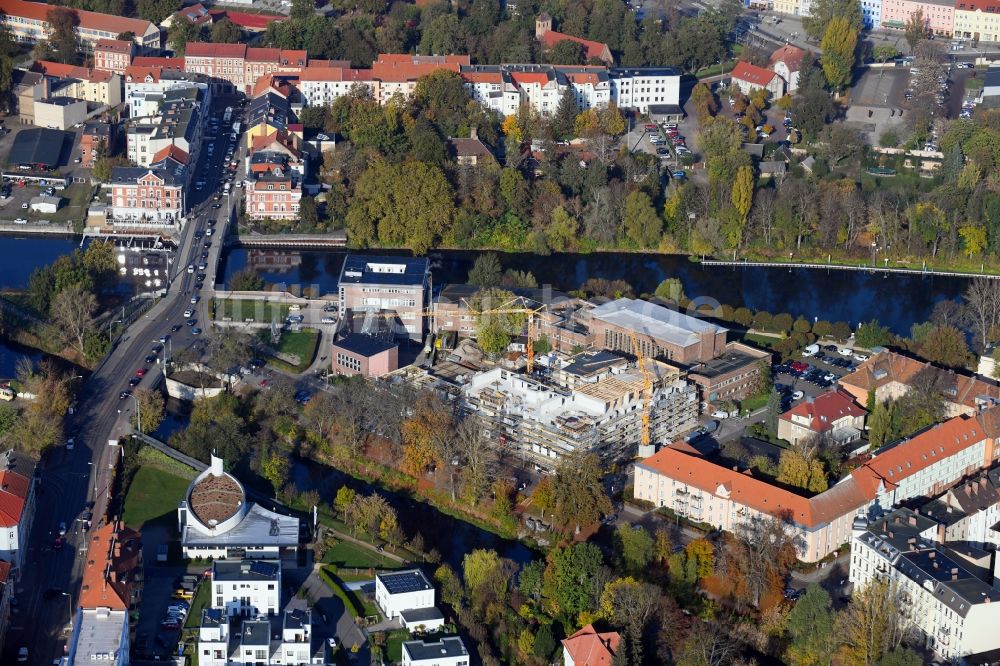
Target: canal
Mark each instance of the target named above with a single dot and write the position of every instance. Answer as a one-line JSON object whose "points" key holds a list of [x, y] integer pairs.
{"points": [[897, 300]]}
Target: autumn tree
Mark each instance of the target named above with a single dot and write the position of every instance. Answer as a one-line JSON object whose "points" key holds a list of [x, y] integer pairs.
{"points": [[760, 554], [871, 626], [916, 28], [427, 434], [704, 101], [838, 46], [72, 311], [742, 199], [275, 468], [810, 629], [629, 604], [152, 409], [41, 423], [63, 22], [642, 224], [879, 425], [946, 346], [578, 491]]}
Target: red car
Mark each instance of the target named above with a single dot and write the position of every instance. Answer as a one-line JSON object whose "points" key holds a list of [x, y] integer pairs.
{"points": [[58, 543], [264, 383], [141, 372], [650, 126]]}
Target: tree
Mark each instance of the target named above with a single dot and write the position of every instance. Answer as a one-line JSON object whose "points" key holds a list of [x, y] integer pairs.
{"points": [[477, 458], [871, 625], [822, 12], [742, 199], [152, 409], [426, 435], [62, 34], [578, 493], [566, 52], [838, 45], [41, 423], [302, 9], [628, 603], [344, 499], [946, 346], [634, 546], [183, 31], [495, 329], [451, 586], [226, 32], [773, 412], [570, 584], [762, 552], [917, 28], [102, 169], [879, 424], [275, 468], [708, 645], [793, 469], [885, 52], [73, 311], [486, 271], [671, 289], [982, 298], [155, 11], [704, 102], [246, 279], [872, 334], [810, 628], [642, 224]]}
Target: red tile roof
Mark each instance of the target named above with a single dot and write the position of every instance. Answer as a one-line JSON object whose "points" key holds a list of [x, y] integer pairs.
{"points": [[195, 14], [14, 490], [482, 77], [244, 20], [4, 571], [591, 49], [538, 78], [38, 11], [587, 647], [174, 152], [157, 61], [403, 67], [113, 559], [59, 70], [752, 74], [323, 73], [988, 6], [209, 50], [790, 55], [824, 410], [114, 45]]}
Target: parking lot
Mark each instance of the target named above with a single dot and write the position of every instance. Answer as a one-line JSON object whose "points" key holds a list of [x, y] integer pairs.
{"points": [[813, 375]]}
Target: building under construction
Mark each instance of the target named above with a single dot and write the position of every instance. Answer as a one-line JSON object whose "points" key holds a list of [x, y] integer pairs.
{"points": [[593, 401]]}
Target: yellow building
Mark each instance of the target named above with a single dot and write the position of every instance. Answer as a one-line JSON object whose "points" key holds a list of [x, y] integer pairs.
{"points": [[793, 7], [978, 20]]}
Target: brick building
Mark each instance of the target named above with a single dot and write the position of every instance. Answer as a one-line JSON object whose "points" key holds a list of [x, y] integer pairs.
{"points": [[274, 195], [95, 139], [400, 285], [150, 196], [113, 55], [360, 354]]}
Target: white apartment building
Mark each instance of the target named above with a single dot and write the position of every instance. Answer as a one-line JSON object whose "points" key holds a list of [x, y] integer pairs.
{"points": [[17, 507], [923, 466], [321, 86], [248, 588], [100, 636], [956, 613], [402, 590], [639, 87], [542, 422], [145, 87], [284, 641], [970, 511]]}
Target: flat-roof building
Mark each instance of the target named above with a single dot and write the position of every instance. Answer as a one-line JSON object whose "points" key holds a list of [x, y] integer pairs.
{"points": [[447, 651], [365, 355], [100, 635], [388, 284]]}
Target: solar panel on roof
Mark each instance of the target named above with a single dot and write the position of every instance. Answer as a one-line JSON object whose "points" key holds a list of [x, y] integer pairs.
{"points": [[401, 583], [267, 569]]}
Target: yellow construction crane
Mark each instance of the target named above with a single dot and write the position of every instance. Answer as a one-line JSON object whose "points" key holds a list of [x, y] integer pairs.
{"points": [[647, 387]]}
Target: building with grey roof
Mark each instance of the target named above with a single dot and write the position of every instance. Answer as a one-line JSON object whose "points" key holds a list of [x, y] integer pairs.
{"points": [[285, 640], [246, 588], [660, 331], [99, 636], [955, 611], [384, 284], [448, 651]]}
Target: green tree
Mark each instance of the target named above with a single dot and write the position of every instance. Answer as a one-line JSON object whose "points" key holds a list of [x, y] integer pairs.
{"points": [[946, 346], [578, 493], [885, 52], [152, 409], [810, 629], [62, 34], [872, 334], [838, 45], [183, 31], [671, 289], [742, 198], [563, 231], [302, 9], [246, 279], [822, 12], [773, 412], [704, 101], [495, 329], [879, 424], [566, 52], [642, 224], [275, 468], [478, 568], [571, 581], [155, 11], [562, 121], [634, 546], [345, 498], [102, 169], [226, 32], [486, 271], [452, 592]]}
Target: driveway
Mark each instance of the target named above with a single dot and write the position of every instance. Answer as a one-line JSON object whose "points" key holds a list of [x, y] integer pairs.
{"points": [[312, 591]]}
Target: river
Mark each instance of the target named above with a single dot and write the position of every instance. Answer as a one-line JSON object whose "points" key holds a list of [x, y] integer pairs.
{"points": [[897, 300], [21, 255]]}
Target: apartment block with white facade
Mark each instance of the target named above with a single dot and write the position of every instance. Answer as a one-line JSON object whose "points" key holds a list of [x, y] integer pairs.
{"points": [[17, 507], [403, 590], [970, 512], [955, 612], [448, 651], [286, 640], [246, 587]]}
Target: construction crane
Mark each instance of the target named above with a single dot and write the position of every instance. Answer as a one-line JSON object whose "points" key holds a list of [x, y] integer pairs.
{"points": [[647, 387]]}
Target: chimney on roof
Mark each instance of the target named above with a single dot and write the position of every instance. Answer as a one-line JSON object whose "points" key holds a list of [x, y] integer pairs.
{"points": [[954, 574], [913, 521], [896, 519], [474, 133], [931, 554], [891, 535]]}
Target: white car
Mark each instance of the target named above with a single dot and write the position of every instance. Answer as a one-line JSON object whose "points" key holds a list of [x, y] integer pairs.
{"points": [[797, 395], [860, 357], [70, 443], [20, 220], [829, 377], [844, 351], [720, 414], [328, 320], [194, 299], [188, 312], [22, 655]]}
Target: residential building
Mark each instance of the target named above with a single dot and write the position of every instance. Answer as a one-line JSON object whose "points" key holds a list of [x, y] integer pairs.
{"points": [[270, 113], [749, 77], [151, 196], [17, 506], [955, 612], [284, 640], [969, 512], [275, 195], [261, 63], [95, 139], [639, 88], [398, 285], [100, 635], [891, 375], [409, 596], [60, 113], [365, 355], [791, 7], [113, 55], [92, 85], [146, 86], [246, 588], [28, 88], [321, 86], [176, 123], [939, 15], [832, 414], [398, 72], [549, 38], [588, 647], [871, 14], [215, 520], [6, 594], [279, 149], [28, 22], [542, 422], [659, 331], [470, 152], [223, 63], [978, 20], [446, 651], [924, 465], [786, 62], [196, 14], [112, 575]]}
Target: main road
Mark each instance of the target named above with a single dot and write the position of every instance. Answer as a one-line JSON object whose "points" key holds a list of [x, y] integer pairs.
{"points": [[75, 481]]}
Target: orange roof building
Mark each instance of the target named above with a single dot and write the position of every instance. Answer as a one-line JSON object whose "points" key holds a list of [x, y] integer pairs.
{"points": [[924, 465], [749, 77], [786, 63], [17, 505], [587, 647], [112, 574], [549, 38], [28, 20], [833, 413]]}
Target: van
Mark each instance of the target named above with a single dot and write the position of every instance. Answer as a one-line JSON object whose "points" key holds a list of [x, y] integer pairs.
{"points": [[295, 307], [811, 350]]}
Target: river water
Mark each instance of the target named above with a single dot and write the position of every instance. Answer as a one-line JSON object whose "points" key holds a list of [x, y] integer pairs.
{"points": [[897, 300]]}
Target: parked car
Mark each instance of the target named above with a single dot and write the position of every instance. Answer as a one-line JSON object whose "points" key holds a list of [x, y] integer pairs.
{"points": [[721, 414], [797, 395], [811, 350]]}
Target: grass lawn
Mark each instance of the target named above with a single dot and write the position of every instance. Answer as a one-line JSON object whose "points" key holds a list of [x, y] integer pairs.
{"points": [[754, 403], [394, 645], [153, 495], [301, 343], [764, 341], [347, 555], [243, 309], [199, 601]]}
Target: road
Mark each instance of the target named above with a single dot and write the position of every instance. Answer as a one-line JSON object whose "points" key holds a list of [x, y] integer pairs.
{"points": [[72, 479]]}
